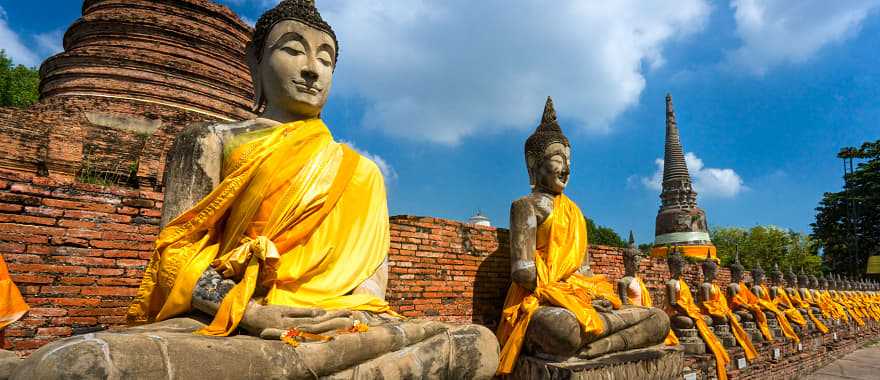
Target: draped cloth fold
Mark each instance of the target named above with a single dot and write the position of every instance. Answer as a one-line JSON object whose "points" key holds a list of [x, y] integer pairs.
{"points": [[745, 299], [671, 339], [717, 306], [796, 297], [843, 300], [781, 317], [296, 213], [12, 305], [688, 306], [560, 250], [791, 311]]}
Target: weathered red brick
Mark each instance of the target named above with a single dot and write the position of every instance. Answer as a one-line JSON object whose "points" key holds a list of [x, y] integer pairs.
{"points": [[32, 278], [47, 312], [109, 291]]}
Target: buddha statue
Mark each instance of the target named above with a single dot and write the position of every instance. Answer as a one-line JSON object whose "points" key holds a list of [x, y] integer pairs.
{"points": [[556, 308], [687, 316], [272, 262], [778, 322], [783, 302], [630, 288], [796, 291], [725, 323], [745, 304]]}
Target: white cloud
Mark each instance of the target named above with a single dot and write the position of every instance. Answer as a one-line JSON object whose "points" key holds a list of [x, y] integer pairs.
{"points": [[387, 170], [50, 43], [443, 70], [708, 182], [12, 44], [775, 32]]}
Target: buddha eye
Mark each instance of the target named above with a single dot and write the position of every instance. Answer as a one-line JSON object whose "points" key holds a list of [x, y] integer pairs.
{"points": [[324, 61], [292, 51]]}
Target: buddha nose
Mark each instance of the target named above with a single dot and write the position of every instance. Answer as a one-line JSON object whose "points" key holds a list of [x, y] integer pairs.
{"points": [[309, 75]]}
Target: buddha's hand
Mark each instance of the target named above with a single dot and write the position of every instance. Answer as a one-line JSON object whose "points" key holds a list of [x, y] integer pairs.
{"points": [[525, 275], [602, 305], [271, 321]]}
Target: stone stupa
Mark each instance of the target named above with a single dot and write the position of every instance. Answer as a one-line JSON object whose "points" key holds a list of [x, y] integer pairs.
{"points": [[680, 222]]}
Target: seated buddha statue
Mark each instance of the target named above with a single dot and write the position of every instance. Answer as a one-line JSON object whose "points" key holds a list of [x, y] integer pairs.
{"points": [[272, 262], [765, 300], [783, 302], [685, 312], [714, 304], [796, 295], [746, 305], [556, 308]]}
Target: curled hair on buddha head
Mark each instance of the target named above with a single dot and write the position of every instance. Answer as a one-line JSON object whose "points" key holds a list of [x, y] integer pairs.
{"points": [[303, 11], [757, 272], [547, 133], [709, 263], [776, 274], [674, 258], [736, 269]]}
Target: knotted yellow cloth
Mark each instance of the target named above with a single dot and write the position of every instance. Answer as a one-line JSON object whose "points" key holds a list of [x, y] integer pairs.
{"points": [[745, 299], [645, 300], [688, 306], [716, 305], [768, 304], [796, 297], [561, 244], [12, 305], [296, 212], [841, 299], [791, 310], [838, 311]]}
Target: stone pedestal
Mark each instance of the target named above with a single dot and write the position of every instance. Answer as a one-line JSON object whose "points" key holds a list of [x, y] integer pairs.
{"points": [[751, 328], [723, 334], [775, 330], [658, 362], [690, 339]]}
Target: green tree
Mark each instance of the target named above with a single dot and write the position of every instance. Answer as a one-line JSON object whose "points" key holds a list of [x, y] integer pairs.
{"points": [[847, 225], [19, 85], [601, 235], [768, 245]]}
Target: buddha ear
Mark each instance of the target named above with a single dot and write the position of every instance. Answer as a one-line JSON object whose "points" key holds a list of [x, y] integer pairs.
{"points": [[253, 62]]}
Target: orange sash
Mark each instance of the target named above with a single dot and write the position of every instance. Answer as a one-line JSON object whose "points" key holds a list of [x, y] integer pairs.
{"points": [[747, 300], [717, 306], [12, 305], [686, 303], [781, 317]]}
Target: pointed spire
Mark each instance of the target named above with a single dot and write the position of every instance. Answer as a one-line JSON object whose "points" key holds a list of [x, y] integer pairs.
{"points": [[632, 240], [675, 171], [548, 120], [737, 254]]}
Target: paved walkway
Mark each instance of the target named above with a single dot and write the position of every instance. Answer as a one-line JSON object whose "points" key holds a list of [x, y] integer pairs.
{"points": [[861, 364]]}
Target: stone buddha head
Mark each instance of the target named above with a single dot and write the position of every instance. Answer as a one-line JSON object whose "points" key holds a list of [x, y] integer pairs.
{"points": [[292, 56], [803, 279], [631, 257], [814, 282], [548, 154], [710, 268], [675, 262], [823, 282], [791, 278], [736, 270], [758, 274], [776, 276]]}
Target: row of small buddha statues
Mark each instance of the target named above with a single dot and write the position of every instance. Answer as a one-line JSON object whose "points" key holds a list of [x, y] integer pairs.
{"points": [[788, 309]]}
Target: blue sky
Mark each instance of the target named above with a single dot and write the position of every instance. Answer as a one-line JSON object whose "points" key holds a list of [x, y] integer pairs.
{"points": [[444, 93]]}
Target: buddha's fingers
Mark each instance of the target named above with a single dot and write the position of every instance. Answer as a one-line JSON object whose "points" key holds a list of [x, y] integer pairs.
{"points": [[272, 334], [331, 325]]}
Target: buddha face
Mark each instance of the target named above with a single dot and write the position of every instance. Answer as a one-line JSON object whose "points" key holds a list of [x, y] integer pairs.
{"points": [[553, 170], [295, 71], [709, 270], [736, 273], [758, 277]]}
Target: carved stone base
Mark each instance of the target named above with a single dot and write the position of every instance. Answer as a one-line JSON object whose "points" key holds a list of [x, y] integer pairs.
{"points": [[690, 339], [751, 328], [723, 334], [658, 362]]}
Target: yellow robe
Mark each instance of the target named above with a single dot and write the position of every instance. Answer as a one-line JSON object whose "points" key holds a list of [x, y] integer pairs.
{"points": [[560, 248], [841, 299], [768, 304], [796, 297], [747, 300], [839, 311], [297, 212], [688, 306], [12, 305], [717, 306], [791, 311], [645, 300]]}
